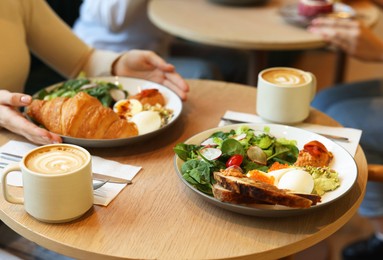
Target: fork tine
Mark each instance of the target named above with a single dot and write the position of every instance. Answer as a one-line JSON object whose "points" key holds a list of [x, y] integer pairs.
{"points": [[10, 157]]}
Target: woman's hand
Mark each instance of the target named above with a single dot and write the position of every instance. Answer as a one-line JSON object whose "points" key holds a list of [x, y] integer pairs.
{"points": [[13, 120], [351, 36], [148, 65]]}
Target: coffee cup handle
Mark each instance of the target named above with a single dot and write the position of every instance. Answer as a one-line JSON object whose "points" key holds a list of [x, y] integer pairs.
{"points": [[9, 197], [313, 85]]}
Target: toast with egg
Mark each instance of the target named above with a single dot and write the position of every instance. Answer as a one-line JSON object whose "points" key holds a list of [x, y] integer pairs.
{"points": [[81, 116], [261, 191]]}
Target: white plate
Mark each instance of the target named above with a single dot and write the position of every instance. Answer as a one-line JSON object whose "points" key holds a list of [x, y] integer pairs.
{"points": [[343, 163], [132, 85], [290, 13]]}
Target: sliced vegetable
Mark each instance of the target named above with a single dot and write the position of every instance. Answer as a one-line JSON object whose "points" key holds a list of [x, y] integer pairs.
{"points": [[240, 137], [209, 142], [117, 94], [257, 155], [210, 153]]}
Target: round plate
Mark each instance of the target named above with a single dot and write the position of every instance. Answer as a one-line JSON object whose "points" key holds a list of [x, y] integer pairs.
{"points": [[342, 162], [290, 13], [133, 86]]}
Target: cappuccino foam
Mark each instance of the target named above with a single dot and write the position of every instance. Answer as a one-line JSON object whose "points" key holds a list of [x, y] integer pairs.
{"points": [[285, 77], [56, 160]]}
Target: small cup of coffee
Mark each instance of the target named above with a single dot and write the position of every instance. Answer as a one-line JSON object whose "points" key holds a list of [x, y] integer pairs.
{"points": [[57, 182], [284, 94]]}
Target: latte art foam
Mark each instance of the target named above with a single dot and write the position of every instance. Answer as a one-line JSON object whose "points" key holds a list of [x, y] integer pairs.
{"points": [[283, 77], [55, 160]]}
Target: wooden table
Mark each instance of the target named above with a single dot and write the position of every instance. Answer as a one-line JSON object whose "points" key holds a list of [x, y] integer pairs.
{"points": [[257, 28], [158, 217]]}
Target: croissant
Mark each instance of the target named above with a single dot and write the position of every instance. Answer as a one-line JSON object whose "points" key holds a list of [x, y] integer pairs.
{"points": [[81, 116]]}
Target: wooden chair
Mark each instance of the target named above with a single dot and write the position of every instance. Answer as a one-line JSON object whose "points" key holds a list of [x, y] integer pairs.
{"points": [[375, 172]]}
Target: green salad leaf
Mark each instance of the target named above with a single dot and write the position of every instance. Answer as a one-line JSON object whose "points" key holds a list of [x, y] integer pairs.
{"points": [[198, 171], [69, 88]]}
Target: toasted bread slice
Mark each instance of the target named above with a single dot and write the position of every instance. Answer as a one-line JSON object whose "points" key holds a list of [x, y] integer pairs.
{"points": [[313, 197], [226, 195], [261, 191]]}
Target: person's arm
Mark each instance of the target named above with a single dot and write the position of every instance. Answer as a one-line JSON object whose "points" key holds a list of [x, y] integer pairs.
{"points": [[350, 35], [55, 43]]}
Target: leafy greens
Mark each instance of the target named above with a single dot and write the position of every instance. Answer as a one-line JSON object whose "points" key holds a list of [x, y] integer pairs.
{"points": [[69, 88], [198, 170]]}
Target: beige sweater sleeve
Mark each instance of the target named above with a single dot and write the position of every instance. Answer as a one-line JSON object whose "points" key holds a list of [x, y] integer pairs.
{"points": [[54, 42]]}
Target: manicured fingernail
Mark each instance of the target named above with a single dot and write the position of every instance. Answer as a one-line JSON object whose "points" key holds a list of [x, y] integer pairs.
{"points": [[47, 139], [26, 99]]}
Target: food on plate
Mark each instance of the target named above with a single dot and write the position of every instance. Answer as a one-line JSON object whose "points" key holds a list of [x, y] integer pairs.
{"points": [[325, 179], [145, 110], [147, 121], [127, 108], [81, 116], [106, 92], [312, 8], [296, 180], [221, 166], [261, 191], [227, 195], [314, 153], [149, 96]]}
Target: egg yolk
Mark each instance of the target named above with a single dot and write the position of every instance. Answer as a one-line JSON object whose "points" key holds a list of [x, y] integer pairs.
{"points": [[261, 176]]}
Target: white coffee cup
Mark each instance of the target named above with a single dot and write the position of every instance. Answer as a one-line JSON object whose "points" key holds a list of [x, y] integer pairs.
{"points": [[284, 94], [57, 182]]}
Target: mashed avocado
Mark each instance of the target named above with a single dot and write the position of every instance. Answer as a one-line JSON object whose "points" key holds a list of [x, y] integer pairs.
{"points": [[325, 179]]}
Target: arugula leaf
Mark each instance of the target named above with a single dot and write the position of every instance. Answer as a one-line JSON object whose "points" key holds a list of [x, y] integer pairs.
{"points": [[197, 173], [186, 151]]}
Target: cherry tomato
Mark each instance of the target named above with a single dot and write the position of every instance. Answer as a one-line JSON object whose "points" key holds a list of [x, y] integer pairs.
{"points": [[234, 160]]}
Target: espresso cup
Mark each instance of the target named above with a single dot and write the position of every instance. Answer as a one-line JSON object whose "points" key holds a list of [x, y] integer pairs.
{"points": [[284, 94], [57, 182]]}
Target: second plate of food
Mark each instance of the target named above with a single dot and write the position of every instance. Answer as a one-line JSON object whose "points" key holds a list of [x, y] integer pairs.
{"points": [[342, 163], [130, 87]]}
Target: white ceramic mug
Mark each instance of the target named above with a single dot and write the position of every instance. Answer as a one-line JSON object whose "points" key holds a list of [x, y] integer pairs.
{"points": [[284, 94], [57, 182]]}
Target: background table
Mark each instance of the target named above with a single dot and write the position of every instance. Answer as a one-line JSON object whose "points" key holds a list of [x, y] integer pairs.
{"points": [[257, 28], [158, 217]]}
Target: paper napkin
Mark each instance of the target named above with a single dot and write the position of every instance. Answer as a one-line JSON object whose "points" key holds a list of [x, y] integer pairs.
{"points": [[351, 133], [102, 196]]}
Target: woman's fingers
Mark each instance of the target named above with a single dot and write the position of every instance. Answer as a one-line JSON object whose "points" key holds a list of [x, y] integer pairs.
{"points": [[14, 121], [158, 62], [175, 82], [14, 99], [32, 132]]}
